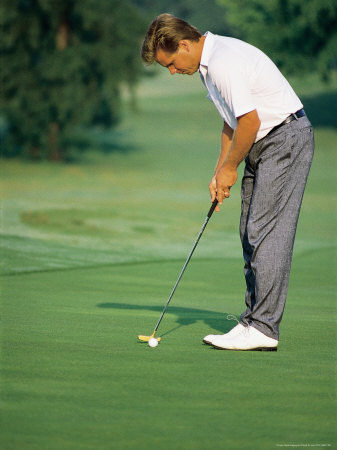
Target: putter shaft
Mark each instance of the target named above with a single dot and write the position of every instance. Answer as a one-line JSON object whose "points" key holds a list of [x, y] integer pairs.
{"points": [[209, 214]]}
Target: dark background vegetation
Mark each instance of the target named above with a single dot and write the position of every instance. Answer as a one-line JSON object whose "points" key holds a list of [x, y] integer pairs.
{"points": [[63, 63]]}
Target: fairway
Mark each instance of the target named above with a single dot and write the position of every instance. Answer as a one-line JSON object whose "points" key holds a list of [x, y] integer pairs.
{"points": [[90, 253]]}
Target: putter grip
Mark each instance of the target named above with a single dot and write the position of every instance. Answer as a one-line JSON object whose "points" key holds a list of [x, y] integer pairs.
{"points": [[212, 208]]}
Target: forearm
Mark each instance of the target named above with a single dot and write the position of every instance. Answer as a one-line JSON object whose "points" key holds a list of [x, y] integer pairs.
{"points": [[243, 139], [226, 142]]}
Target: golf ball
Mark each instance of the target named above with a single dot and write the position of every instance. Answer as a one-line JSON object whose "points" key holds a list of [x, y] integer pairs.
{"points": [[153, 342]]}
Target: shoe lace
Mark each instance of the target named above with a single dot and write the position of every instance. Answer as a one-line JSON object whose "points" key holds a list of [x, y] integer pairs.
{"points": [[232, 317], [245, 330]]}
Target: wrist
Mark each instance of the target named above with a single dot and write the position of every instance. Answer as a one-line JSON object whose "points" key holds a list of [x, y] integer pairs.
{"points": [[229, 165]]}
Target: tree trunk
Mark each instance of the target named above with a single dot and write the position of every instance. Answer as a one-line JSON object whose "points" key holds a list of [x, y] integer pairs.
{"points": [[62, 36], [54, 151]]}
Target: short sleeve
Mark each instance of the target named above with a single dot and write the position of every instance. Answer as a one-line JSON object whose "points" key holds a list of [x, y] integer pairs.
{"points": [[231, 79]]}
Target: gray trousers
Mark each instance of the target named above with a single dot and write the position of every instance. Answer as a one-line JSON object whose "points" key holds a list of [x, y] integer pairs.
{"points": [[273, 184]]}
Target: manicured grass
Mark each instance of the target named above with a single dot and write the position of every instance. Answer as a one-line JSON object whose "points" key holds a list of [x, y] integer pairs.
{"points": [[76, 377], [90, 254]]}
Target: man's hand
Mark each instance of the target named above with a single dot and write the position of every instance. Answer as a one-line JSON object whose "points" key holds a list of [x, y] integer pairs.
{"points": [[235, 147], [225, 178], [212, 191], [221, 183]]}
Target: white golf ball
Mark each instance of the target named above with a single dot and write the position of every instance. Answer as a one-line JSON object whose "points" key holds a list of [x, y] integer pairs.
{"points": [[153, 342]]}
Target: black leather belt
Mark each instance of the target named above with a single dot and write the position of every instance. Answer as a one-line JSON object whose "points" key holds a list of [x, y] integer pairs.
{"points": [[295, 116]]}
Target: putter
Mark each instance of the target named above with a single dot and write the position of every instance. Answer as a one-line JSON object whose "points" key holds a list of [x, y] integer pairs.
{"points": [[209, 214]]}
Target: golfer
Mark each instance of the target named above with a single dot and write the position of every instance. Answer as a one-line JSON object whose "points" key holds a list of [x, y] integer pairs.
{"points": [[264, 124]]}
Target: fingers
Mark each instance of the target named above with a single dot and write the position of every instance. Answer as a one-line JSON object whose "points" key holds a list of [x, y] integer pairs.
{"points": [[219, 194], [217, 209], [212, 189], [223, 193], [225, 178], [221, 183], [213, 197]]}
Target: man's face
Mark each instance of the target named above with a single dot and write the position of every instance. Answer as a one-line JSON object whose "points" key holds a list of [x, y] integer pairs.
{"points": [[183, 61]]}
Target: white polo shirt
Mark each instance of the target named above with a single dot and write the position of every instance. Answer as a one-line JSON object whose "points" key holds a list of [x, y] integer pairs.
{"points": [[240, 78]]}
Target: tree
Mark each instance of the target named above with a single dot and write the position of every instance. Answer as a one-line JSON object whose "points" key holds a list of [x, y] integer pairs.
{"points": [[300, 36], [203, 14], [62, 65]]}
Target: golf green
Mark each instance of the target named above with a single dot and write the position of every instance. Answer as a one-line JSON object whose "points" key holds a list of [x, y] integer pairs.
{"points": [[75, 375], [90, 253]]}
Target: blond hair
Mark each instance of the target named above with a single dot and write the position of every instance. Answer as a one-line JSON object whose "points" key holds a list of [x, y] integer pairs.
{"points": [[165, 32]]}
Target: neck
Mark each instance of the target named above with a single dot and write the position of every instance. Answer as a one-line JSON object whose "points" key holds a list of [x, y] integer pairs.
{"points": [[200, 46]]}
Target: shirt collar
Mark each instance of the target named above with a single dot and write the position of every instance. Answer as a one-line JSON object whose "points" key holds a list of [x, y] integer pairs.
{"points": [[206, 51]]}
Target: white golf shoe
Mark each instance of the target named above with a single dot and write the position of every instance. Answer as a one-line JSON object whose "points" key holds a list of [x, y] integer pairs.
{"points": [[234, 331], [248, 338]]}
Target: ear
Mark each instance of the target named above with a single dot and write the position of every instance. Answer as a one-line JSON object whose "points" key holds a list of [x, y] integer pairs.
{"points": [[184, 44]]}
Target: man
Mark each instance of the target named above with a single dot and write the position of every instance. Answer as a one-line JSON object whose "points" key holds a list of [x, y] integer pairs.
{"points": [[264, 123]]}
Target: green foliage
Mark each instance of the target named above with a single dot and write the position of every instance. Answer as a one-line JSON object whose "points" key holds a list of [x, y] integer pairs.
{"points": [[299, 36], [62, 66], [203, 14]]}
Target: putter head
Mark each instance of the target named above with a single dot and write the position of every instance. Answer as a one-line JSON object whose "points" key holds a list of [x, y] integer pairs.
{"points": [[143, 338]]}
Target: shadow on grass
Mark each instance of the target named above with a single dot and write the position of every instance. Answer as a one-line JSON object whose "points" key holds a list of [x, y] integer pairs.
{"points": [[220, 322], [103, 141], [321, 109]]}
